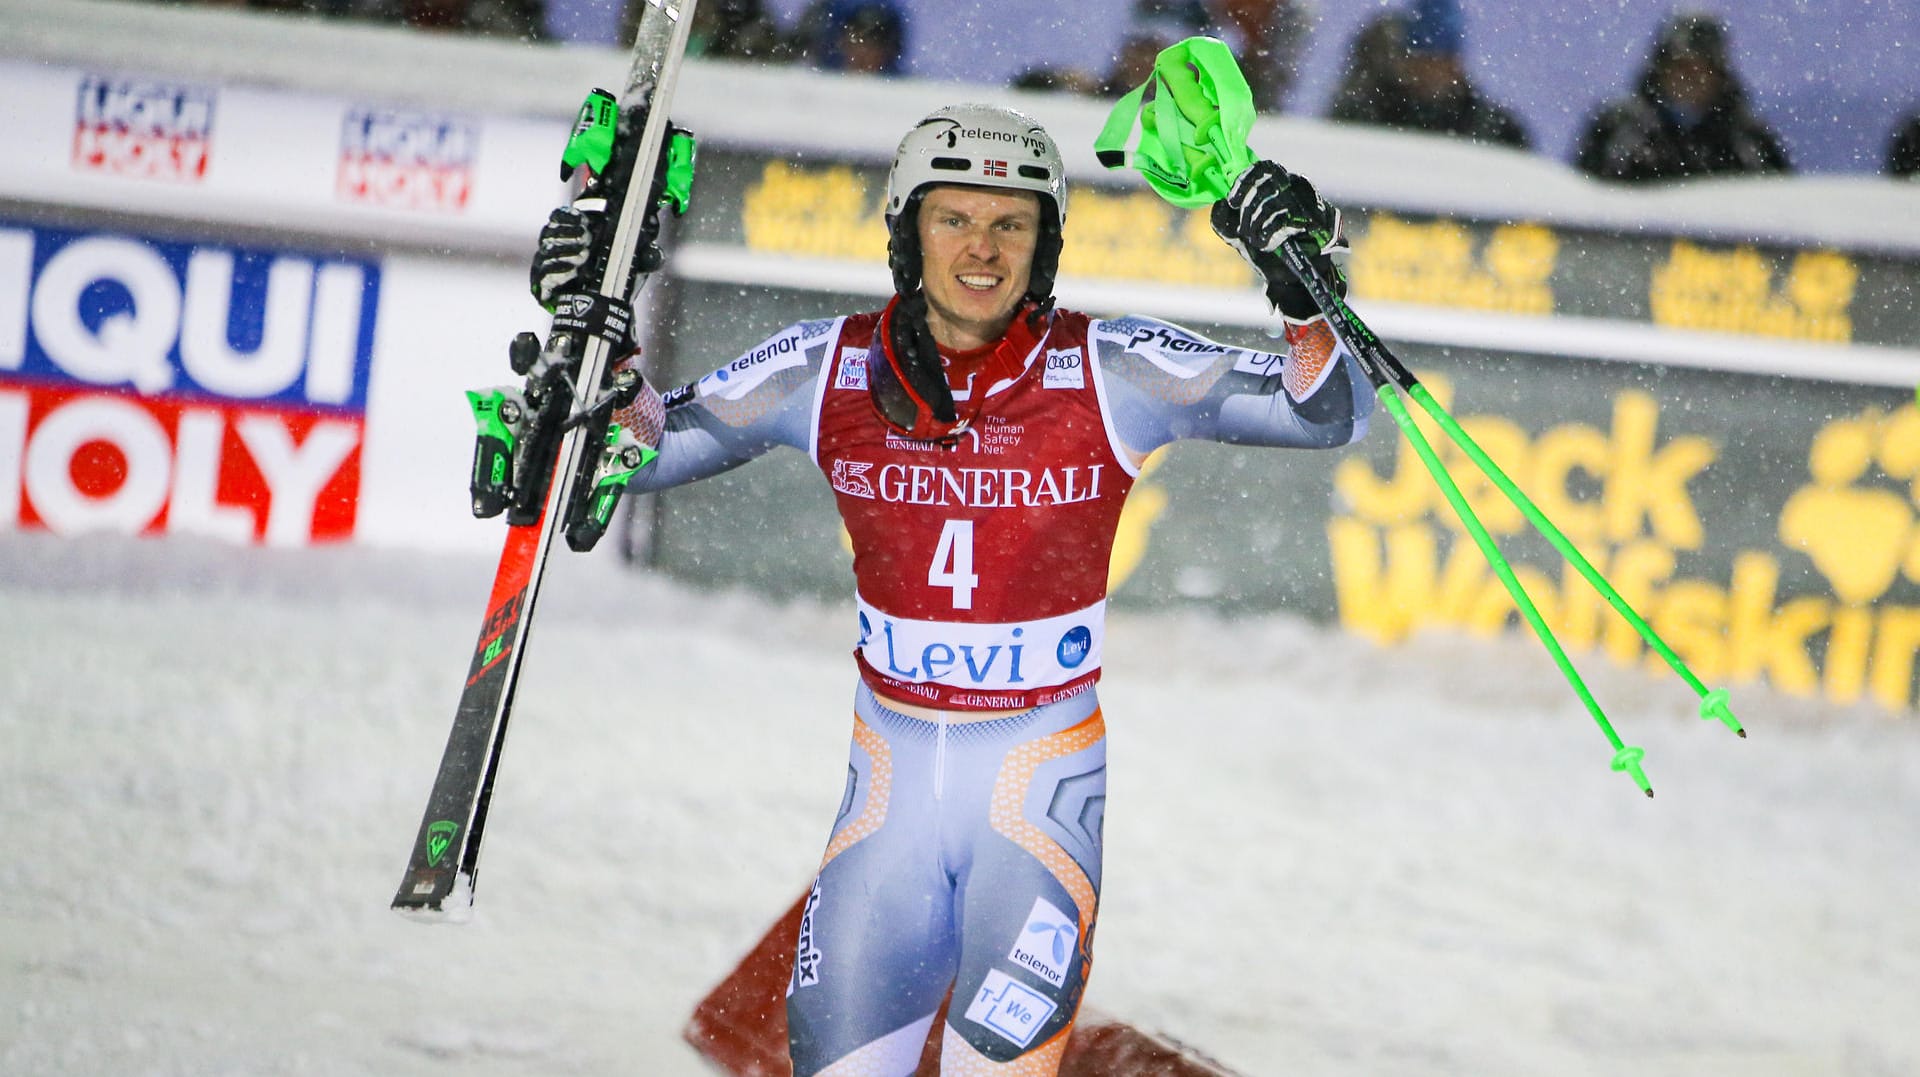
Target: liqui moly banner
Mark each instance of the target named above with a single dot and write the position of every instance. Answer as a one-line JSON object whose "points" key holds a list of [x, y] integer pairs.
{"points": [[407, 160], [181, 388], [143, 128]]}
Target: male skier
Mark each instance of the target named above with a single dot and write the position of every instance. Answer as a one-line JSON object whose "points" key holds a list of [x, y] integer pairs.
{"points": [[980, 442]]}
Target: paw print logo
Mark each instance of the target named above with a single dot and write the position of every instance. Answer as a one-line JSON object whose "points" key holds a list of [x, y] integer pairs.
{"points": [[1859, 537]]}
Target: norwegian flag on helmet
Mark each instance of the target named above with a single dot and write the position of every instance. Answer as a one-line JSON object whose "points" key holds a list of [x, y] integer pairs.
{"points": [[994, 168]]}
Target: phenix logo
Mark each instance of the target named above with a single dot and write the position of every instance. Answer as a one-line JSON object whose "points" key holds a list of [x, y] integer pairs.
{"points": [[806, 965], [1160, 337]]}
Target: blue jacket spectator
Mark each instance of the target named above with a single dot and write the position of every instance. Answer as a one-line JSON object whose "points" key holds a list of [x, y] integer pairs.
{"points": [[1409, 74], [861, 36]]}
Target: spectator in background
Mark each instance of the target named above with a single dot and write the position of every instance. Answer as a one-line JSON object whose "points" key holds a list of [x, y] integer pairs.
{"points": [[858, 36], [1903, 149], [525, 20], [1407, 73], [1056, 80], [1688, 117], [1372, 76], [1436, 94], [1439, 95], [329, 8], [291, 7], [1152, 26], [723, 29], [1266, 36]]}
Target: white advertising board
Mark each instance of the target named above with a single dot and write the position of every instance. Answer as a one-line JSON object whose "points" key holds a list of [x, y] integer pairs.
{"points": [[247, 393], [362, 171]]}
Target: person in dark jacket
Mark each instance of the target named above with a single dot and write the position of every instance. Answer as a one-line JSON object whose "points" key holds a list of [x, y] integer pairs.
{"points": [[1267, 36], [1903, 149], [865, 37], [1688, 117], [724, 30], [1418, 82], [1371, 78], [1152, 25]]}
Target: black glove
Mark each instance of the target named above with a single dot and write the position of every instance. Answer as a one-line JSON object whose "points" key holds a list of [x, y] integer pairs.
{"points": [[1269, 205], [566, 245]]}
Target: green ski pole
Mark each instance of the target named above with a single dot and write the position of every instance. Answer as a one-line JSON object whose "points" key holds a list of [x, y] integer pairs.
{"points": [[1192, 148], [1713, 703], [1625, 758], [1386, 374], [1372, 353]]}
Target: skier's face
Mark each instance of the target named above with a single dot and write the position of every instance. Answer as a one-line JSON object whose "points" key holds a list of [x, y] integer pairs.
{"points": [[976, 246]]}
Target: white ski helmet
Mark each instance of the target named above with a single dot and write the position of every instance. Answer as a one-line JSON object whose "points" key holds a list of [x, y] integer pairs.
{"points": [[975, 146]]}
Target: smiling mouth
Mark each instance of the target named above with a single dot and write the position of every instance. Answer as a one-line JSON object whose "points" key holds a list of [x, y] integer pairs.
{"points": [[978, 282]]}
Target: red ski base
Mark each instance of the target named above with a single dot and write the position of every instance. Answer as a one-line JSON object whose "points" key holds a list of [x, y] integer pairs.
{"points": [[741, 1026]]}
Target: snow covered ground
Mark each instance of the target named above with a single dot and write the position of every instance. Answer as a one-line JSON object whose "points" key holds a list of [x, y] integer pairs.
{"points": [[1324, 858]]}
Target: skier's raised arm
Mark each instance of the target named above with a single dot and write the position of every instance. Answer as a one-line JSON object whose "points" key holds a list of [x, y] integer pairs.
{"points": [[757, 402], [1167, 383]]}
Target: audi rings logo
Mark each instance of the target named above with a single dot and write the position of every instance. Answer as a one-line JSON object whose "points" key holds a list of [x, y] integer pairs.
{"points": [[1066, 369]]}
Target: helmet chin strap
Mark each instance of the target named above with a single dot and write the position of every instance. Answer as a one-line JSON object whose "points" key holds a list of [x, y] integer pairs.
{"points": [[905, 378]]}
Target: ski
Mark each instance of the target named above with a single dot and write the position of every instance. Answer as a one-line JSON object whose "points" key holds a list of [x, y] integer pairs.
{"points": [[544, 454]]}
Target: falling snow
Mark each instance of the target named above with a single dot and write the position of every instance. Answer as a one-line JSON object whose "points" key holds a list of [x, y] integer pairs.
{"points": [[1324, 857]]}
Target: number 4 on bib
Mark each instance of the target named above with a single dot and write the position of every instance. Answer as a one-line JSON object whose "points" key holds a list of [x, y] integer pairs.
{"points": [[953, 563]]}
